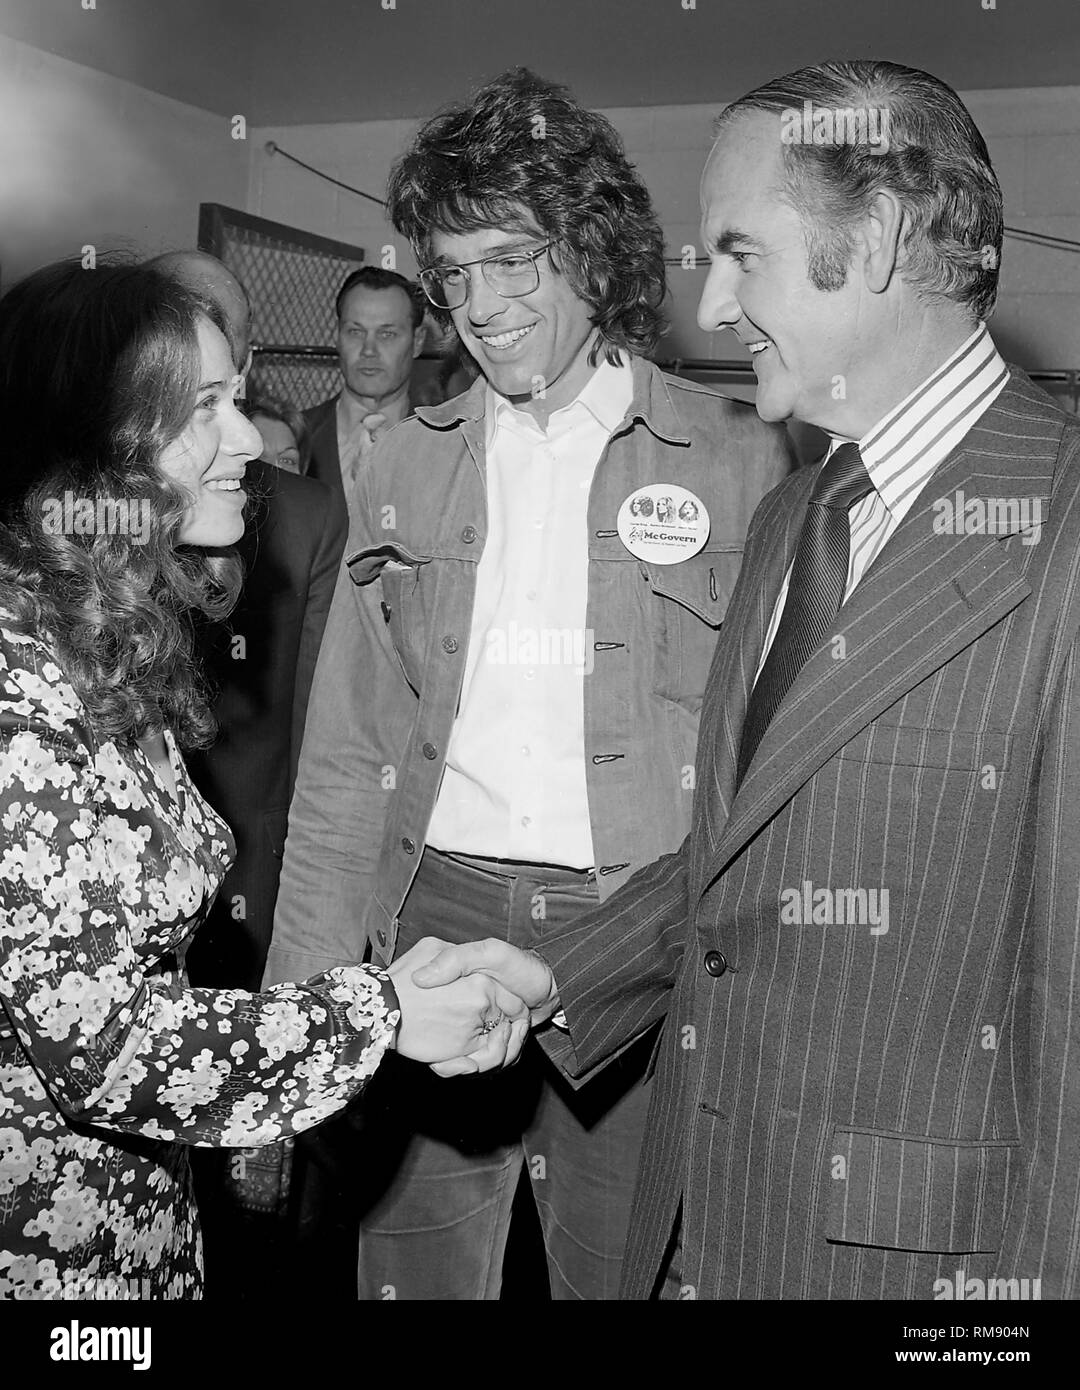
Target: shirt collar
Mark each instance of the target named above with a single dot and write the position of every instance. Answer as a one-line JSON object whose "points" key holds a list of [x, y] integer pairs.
{"points": [[606, 396], [908, 443], [651, 403], [350, 412]]}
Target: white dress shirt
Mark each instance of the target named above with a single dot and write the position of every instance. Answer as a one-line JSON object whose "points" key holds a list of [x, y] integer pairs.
{"points": [[514, 785]]}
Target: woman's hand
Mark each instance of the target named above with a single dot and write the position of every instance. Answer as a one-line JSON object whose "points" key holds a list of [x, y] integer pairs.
{"points": [[468, 1025]]}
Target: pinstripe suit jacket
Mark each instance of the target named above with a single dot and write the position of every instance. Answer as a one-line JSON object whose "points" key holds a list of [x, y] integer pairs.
{"points": [[845, 1112]]}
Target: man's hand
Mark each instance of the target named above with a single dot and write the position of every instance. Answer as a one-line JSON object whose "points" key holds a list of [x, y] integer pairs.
{"points": [[522, 973], [469, 1025]]}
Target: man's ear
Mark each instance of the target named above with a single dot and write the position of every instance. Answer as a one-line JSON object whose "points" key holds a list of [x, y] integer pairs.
{"points": [[419, 338], [879, 238]]}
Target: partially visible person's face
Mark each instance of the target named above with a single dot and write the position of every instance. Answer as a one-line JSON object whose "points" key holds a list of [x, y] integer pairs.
{"points": [[538, 343], [377, 341], [279, 443], [805, 342], [209, 456]]}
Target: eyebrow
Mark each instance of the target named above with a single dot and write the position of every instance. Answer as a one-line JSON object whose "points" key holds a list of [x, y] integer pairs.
{"points": [[209, 385], [389, 323], [734, 240], [518, 243]]}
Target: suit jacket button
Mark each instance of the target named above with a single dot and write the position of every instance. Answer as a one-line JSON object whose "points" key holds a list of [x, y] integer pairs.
{"points": [[468, 535], [449, 644], [408, 845], [429, 751], [715, 963], [382, 937]]}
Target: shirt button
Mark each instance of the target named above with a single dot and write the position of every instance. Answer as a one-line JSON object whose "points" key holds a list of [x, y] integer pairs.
{"points": [[529, 675], [449, 644], [531, 594], [468, 534], [538, 525], [525, 751], [526, 821], [715, 963], [429, 750], [408, 845]]}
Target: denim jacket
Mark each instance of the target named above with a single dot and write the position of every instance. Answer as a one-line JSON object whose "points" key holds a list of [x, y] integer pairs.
{"points": [[390, 671]]}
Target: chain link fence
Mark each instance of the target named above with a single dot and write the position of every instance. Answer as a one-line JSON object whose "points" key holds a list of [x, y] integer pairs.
{"points": [[292, 278]]}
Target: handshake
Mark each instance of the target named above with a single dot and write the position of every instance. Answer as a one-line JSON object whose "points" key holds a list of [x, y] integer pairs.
{"points": [[469, 1008]]}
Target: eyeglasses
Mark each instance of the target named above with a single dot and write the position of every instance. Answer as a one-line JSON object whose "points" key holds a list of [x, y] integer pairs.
{"points": [[447, 286]]}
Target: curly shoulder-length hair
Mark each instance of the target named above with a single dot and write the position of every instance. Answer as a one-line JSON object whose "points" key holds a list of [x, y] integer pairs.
{"points": [[523, 152], [99, 372]]}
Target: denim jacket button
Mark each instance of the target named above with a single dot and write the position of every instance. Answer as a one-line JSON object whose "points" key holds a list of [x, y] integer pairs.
{"points": [[468, 534], [429, 750], [449, 644], [408, 845]]}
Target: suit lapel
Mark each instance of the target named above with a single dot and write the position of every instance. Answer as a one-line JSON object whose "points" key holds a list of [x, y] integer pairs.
{"points": [[769, 551], [325, 460], [928, 595]]}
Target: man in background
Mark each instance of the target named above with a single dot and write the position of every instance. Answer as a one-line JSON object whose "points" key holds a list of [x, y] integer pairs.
{"points": [[380, 335]]}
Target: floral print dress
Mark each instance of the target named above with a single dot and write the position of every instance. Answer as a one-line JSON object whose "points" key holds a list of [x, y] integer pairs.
{"points": [[110, 1064]]}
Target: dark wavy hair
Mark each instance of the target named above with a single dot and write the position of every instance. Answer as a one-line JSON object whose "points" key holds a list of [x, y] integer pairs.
{"points": [[524, 152], [99, 371], [935, 161]]}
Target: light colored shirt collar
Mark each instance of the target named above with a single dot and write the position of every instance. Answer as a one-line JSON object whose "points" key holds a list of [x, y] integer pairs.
{"points": [[350, 412], [606, 396], [907, 444]]}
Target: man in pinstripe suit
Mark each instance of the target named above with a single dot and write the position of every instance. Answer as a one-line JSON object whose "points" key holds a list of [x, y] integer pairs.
{"points": [[865, 954]]}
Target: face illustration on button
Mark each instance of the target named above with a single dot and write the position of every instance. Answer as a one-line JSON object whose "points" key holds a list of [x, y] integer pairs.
{"points": [[663, 522]]}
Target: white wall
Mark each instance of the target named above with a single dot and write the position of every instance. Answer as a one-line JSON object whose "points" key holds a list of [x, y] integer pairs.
{"points": [[1034, 140], [89, 159]]}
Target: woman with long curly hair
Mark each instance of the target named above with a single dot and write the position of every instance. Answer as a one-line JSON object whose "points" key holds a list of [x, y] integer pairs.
{"points": [[120, 493]]}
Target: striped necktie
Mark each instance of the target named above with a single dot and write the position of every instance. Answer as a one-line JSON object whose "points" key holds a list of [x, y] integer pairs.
{"points": [[815, 591]]}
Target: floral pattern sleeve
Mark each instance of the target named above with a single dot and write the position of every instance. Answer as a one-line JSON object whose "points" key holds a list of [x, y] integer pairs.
{"points": [[103, 878]]}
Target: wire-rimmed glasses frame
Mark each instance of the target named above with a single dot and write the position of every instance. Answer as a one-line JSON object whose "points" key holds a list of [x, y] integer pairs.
{"points": [[433, 278]]}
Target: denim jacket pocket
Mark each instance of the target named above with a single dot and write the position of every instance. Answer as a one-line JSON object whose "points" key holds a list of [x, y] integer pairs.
{"points": [[691, 601], [398, 572], [366, 564], [702, 584], [913, 1192]]}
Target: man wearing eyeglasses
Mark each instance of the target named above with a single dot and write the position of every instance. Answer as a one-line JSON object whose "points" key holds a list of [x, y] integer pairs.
{"points": [[505, 713]]}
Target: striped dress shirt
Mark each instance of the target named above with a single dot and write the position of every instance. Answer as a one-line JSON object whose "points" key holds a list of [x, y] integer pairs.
{"points": [[902, 451]]}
